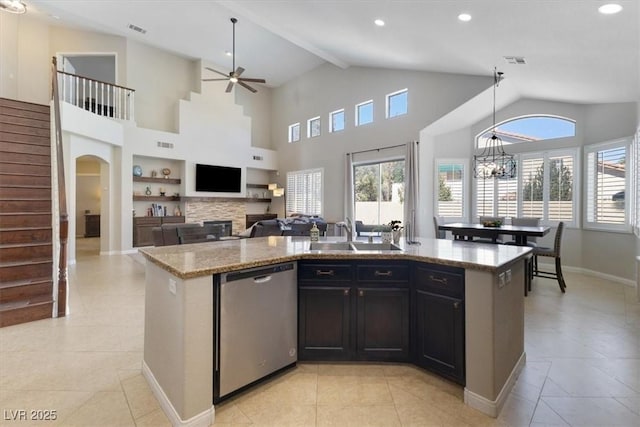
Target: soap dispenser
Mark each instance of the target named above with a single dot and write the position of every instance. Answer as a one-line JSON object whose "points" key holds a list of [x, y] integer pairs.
{"points": [[314, 233]]}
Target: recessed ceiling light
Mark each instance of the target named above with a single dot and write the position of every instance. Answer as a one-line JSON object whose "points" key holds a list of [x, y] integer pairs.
{"points": [[609, 8], [464, 17], [226, 52], [379, 22]]}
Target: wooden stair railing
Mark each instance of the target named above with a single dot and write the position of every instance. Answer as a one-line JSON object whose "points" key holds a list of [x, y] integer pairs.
{"points": [[63, 230]]}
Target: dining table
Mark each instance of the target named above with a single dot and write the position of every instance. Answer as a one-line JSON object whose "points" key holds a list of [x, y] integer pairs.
{"points": [[468, 231]]}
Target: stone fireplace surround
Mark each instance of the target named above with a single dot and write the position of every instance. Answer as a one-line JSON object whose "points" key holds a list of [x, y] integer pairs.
{"points": [[200, 210]]}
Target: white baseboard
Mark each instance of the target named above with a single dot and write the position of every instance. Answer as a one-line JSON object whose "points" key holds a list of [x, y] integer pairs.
{"points": [[493, 407], [203, 419], [587, 272]]}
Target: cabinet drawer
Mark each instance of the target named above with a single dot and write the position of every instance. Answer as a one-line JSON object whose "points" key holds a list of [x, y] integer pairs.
{"points": [[440, 281], [147, 220], [172, 220], [383, 273], [325, 272]]}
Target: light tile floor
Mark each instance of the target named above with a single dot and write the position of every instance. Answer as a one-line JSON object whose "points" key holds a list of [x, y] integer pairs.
{"points": [[583, 365]]}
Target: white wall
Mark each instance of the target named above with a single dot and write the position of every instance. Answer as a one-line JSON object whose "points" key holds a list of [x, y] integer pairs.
{"points": [[328, 88]]}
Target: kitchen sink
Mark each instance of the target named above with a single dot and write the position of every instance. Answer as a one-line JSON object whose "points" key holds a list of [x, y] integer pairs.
{"points": [[353, 246], [331, 246], [376, 246]]}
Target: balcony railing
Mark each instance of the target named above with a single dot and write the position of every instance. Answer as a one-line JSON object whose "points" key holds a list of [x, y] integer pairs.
{"points": [[102, 98]]}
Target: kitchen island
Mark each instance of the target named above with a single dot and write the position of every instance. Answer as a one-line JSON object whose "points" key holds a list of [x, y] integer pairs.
{"points": [[180, 312]]}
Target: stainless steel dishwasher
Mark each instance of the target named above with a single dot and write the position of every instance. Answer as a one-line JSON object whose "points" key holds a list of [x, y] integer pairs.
{"points": [[258, 324]]}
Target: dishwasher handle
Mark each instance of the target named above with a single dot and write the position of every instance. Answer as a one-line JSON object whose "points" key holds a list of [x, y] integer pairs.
{"points": [[262, 279]]}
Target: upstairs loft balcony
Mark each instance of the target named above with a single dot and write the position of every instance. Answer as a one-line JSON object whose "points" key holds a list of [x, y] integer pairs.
{"points": [[101, 98]]}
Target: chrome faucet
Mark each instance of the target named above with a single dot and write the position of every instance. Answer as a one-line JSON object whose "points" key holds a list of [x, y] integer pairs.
{"points": [[349, 228]]}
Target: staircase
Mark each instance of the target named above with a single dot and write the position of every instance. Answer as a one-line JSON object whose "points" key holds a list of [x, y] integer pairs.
{"points": [[26, 248]]}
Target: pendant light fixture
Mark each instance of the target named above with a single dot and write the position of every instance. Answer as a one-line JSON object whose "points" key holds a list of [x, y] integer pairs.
{"points": [[494, 162]]}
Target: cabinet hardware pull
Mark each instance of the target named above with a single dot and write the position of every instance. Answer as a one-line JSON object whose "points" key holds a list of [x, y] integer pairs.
{"points": [[456, 305], [387, 273], [361, 293], [324, 273], [346, 292], [442, 280]]}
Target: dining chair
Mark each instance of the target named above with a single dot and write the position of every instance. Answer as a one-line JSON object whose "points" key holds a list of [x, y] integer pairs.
{"points": [[484, 219], [437, 222], [526, 222], [554, 252]]}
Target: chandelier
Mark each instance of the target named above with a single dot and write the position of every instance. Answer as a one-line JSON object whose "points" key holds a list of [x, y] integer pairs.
{"points": [[494, 162]]}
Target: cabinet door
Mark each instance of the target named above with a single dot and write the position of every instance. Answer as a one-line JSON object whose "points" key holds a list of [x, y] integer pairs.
{"points": [[440, 334], [324, 323], [383, 324]]}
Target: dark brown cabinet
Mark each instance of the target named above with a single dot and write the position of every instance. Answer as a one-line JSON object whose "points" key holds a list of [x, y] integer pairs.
{"points": [[91, 225], [439, 320], [143, 228], [324, 326], [347, 316]]}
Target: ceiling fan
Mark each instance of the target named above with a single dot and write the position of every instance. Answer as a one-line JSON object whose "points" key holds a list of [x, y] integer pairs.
{"points": [[234, 76]]}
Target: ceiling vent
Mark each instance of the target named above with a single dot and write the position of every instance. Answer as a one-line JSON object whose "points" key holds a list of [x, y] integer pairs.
{"points": [[516, 60], [257, 157], [165, 144], [138, 29]]}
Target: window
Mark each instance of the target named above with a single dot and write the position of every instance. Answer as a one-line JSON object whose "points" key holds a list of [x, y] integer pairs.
{"points": [[364, 113], [545, 188], [313, 127], [497, 197], [450, 188], [529, 129], [294, 132], [379, 191], [336, 121], [634, 156], [397, 103], [606, 183], [548, 186], [304, 192]]}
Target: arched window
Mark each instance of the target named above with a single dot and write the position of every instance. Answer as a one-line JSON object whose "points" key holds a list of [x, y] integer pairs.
{"points": [[528, 129]]}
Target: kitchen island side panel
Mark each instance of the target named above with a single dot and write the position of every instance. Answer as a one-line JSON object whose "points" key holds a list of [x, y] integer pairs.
{"points": [[494, 337], [178, 344]]}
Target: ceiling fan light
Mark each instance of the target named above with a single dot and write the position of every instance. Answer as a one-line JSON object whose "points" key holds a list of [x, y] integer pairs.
{"points": [[233, 79], [13, 6]]}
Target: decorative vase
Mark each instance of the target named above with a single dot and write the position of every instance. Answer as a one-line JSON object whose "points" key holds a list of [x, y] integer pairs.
{"points": [[147, 191], [396, 236]]}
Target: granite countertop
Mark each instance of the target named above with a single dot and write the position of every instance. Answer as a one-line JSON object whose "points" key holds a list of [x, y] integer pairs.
{"points": [[202, 259]]}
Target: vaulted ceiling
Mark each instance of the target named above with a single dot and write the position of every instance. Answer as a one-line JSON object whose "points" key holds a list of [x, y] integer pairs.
{"points": [[572, 52]]}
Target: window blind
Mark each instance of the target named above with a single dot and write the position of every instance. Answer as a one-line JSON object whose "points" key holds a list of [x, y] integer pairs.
{"points": [[304, 192]]}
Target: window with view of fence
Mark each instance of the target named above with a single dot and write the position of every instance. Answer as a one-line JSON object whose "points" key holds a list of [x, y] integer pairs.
{"points": [[451, 179], [606, 183]]}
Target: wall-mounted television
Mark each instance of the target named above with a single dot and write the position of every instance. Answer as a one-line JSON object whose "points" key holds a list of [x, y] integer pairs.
{"points": [[218, 179]]}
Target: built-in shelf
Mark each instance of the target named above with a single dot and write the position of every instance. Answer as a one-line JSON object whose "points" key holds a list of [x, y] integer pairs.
{"points": [[263, 186], [225, 199], [157, 180], [156, 199]]}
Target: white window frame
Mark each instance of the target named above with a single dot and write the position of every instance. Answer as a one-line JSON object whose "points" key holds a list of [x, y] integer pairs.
{"points": [[634, 158], [545, 155], [465, 188], [290, 194], [310, 127], [358, 123], [388, 103], [331, 114], [594, 148], [290, 133]]}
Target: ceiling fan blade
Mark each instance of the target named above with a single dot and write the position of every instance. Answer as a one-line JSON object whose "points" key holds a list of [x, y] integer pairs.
{"points": [[215, 80], [247, 79], [217, 72], [246, 86], [229, 87], [239, 71]]}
